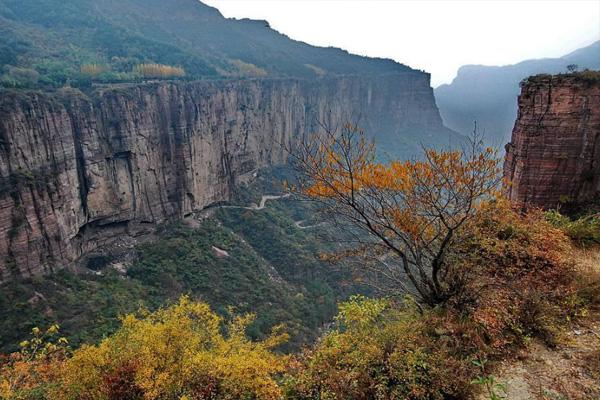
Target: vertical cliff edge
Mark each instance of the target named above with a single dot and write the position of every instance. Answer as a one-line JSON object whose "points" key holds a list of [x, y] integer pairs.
{"points": [[78, 172], [554, 155]]}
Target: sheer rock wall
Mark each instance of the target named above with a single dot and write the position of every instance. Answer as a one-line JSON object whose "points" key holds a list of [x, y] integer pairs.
{"points": [[554, 154], [80, 172]]}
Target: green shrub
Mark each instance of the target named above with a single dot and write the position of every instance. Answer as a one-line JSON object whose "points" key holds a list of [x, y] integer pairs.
{"points": [[583, 231], [379, 350]]}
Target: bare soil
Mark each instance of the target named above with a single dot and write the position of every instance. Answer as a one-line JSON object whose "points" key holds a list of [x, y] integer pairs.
{"points": [[569, 371]]}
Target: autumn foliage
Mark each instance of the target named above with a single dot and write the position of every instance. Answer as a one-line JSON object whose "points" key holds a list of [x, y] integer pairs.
{"points": [[410, 212], [378, 350], [519, 287], [158, 71], [29, 372], [92, 70], [487, 279], [521, 276], [182, 352]]}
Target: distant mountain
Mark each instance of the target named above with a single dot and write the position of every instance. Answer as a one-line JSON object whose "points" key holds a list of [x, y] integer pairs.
{"points": [[488, 94], [53, 38]]}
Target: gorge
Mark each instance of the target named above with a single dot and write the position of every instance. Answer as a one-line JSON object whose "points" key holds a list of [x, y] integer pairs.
{"points": [[201, 207], [81, 171]]}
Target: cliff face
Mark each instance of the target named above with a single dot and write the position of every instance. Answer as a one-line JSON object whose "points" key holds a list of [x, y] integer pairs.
{"points": [[554, 154], [78, 173]]}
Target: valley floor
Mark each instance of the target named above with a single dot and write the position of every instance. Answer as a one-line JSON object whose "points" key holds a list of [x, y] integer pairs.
{"points": [[257, 253]]}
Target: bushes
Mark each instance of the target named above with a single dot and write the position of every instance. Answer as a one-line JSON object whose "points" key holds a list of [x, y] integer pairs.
{"points": [[175, 352], [583, 231], [248, 69], [587, 278], [31, 372], [378, 350], [520, 286], [52, 74], [520, 277], [92, 70], [184, 351], [158, 71], [19, 77]]}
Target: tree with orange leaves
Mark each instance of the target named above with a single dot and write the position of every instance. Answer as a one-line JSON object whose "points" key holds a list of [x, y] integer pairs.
{"points": [[30, 372], [411, 211]]}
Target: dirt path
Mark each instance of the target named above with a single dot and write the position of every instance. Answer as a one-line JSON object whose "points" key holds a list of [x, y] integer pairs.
{"points": [[569, 371], [566, 372]]}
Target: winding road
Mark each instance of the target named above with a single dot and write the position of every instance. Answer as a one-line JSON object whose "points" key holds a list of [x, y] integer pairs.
{"points": [[299, 225], [263, 202]]}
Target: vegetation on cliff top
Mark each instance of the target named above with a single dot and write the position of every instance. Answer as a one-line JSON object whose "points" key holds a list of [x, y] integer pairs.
{"points": [[50, 43], [586, 76]]}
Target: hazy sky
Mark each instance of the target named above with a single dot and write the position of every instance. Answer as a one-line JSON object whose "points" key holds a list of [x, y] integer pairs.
{"points": [[437, 36]]}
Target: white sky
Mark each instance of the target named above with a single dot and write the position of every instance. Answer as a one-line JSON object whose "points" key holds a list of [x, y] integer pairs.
{"points": [[435, 35]]}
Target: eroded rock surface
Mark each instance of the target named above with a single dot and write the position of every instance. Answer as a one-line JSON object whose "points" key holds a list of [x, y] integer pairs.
{"points": [[554, 154], [81, 172]]}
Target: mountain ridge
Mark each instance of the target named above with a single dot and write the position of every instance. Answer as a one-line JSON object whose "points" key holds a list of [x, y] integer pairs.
{"points": [[488, 94], [178, 32]]}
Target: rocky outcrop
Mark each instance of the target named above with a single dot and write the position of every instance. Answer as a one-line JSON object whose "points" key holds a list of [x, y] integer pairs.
{"points": [[554, 154], [487, 94], [80, 172]]}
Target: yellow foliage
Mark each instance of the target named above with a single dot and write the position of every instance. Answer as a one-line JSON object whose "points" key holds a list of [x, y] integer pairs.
{"points": [[248, 69], [377, 351], [92, 70], [175, 352], [158, 71], [35, 367]]}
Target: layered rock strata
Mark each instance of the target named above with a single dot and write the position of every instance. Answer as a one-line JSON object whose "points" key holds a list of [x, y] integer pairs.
{"points": [[554, 154], [80, 172]]}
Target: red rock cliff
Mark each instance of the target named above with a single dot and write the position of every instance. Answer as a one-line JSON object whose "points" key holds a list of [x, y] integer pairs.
{"points": [[554, 153]]}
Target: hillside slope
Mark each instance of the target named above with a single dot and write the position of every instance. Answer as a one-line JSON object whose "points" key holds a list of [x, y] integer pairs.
{"points": [[55, 37], [265, 264], [488, 94]]}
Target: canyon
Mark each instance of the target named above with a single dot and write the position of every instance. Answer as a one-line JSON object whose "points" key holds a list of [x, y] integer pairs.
{"points": [[80, 172], [553, 159]]}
